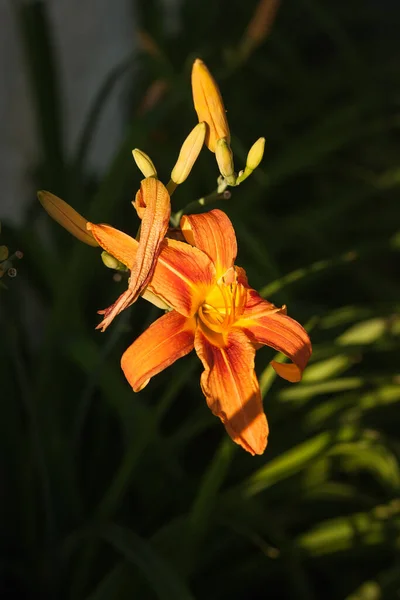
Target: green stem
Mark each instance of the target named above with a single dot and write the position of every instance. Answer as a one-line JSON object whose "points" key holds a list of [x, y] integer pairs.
{"points": [[221, 193]]}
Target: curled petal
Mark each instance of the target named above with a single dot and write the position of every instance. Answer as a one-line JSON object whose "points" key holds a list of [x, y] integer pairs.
{"points": [[213, 233], [209, 105], [154, 208], [231, 389], [182, 277], [67, 217], [166, 340], [273, 328]]}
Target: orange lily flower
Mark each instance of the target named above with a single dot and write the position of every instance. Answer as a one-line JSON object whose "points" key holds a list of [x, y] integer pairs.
{"points": [[214, 311]]}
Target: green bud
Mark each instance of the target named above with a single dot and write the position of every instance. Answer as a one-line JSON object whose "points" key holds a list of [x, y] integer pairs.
{"points": [[144, 163], [224, 156], [255, 154], [189, 152], [111, 262]]}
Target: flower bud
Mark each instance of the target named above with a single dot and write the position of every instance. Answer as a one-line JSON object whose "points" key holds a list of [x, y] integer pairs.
{"points": [[111, 262], [255, 154], [224, 156], [254, 158], [144, 163], [189, 152], [209, 105], [66, 216]]}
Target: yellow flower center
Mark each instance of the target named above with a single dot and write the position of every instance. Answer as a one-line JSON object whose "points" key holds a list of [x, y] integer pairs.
{"points": [[224, 304]]}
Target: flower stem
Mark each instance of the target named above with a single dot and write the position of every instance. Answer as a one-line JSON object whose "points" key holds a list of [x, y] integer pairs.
{"points": [[221, 193]]}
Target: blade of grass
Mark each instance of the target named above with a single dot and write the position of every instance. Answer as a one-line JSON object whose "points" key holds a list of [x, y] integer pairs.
{"points": [[36, 38]]}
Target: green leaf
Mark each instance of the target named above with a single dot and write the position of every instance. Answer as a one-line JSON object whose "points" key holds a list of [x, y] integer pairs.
{"points": [[366, 332], [166, 584], [358, 531]]}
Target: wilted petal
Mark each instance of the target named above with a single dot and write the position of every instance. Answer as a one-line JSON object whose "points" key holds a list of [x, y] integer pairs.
{"points": [[272, 327], [231, 389], [166, 340], [213, 233], [209, 105], [154, 208], [182, 277], [66, 216]]}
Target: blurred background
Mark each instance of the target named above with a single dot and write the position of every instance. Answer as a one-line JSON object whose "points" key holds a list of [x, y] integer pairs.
{"points": [[110, 495]]}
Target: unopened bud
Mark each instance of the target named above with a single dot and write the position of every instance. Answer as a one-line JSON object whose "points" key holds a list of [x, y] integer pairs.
{"points": [[255, 154], [224, 156], [111, 262], [67, 217], [209, 105], [189, 152], [19, 254], [144, 163], [254, 158]]}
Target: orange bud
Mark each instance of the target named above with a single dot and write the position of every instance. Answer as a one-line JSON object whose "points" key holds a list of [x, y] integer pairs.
{"points": [[66, 216], [209, 105]]}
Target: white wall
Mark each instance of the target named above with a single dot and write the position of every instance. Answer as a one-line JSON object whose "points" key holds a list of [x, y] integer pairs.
{"points": [[88, 46]]}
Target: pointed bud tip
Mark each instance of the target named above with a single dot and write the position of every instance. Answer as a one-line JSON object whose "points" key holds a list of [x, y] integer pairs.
{"points": [[144, 163]]}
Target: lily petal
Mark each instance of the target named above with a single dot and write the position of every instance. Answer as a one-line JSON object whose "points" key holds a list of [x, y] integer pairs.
{"points": [[182, 276], [117, 243], [166, 340], [231, 389], [154, 207], [213, 233], [273, 328]]}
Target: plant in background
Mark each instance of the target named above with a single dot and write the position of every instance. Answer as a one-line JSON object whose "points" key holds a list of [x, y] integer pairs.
{"points": [[6, 263], [210, 305]]}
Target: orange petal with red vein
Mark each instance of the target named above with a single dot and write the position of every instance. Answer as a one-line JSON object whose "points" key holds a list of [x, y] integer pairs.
{"points": [[166, 340], [182, 277], [213, 233], [275, 329], [120, 245], [231, 389]]}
